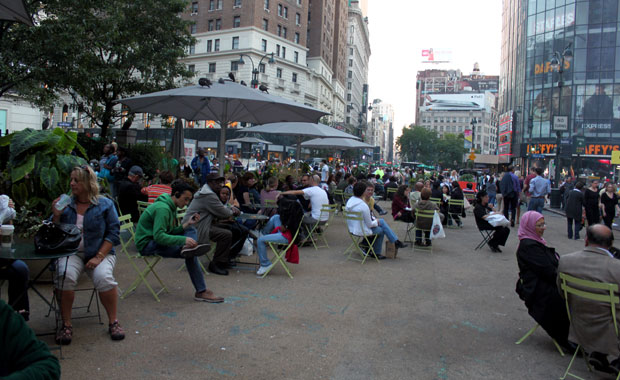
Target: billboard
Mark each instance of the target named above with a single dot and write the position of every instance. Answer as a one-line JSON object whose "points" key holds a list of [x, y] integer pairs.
{"points": [[504, 130], [432, 55], [454, 102]]}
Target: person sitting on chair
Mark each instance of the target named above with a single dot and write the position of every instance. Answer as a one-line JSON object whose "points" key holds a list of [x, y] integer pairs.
{"points": [[424, 224], [318, 198], [482, 212], [455, 211], [370, 225], [238, 230], [130, 192], [370, 201], [156, 234], [591, 324], [400, 203], [538, 266]]}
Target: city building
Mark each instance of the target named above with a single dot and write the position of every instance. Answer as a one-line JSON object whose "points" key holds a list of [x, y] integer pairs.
{"points": [[380, 131], [560, 85]]}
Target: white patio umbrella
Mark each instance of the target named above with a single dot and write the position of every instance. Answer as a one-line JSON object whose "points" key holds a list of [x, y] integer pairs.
{"points": [[301, 131], [14, 10], [224, 102], [335, 143]]}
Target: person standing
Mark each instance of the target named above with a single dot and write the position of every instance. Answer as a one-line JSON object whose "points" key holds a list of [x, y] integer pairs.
{"points": [[574, 210], [510, 189], [201, 167], [130, 192], [609, 205], [591, 200], [492, 191], [565, 189], [539, 188], [324, 175]]}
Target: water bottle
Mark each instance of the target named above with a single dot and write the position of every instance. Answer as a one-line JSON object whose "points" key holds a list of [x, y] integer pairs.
{"points": [[63, 202]]}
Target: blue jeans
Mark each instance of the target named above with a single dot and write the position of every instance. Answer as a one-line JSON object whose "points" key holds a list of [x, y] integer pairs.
{"points": [[388, 231], [261, 244], [492, 199], [570, 227], [536, 204], [380, 232], [17, 274], [174, 251]]}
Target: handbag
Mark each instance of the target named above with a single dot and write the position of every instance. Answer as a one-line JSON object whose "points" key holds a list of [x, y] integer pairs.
{"points": [[497, 220], [390, 250], [55, 238]]}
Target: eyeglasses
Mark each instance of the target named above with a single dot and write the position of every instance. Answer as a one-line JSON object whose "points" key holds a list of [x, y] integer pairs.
{"points": [[541, 225]]}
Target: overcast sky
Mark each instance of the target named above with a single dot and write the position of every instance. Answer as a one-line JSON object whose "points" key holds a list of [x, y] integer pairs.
{"points": [[400, 29]]}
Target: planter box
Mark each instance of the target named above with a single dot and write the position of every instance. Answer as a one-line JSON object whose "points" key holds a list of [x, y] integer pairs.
{"points": [[126, 137]]}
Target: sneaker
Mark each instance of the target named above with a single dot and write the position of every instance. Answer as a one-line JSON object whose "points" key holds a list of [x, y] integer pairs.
{"points": [[64, 335], [199, 250], [116, 331], [599, 362], [208, 296], [383, 212], [262, 270]]}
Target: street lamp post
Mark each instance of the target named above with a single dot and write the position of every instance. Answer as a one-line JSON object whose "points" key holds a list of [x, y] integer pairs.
{"points": [[557, 63], [254, 82]]}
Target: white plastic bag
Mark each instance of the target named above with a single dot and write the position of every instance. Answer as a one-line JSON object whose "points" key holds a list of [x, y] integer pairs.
{"points": [[497, 220], [437, 229], [248, 247]]}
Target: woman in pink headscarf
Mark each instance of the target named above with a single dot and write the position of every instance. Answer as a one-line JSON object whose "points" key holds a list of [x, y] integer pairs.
{"points": [[538, 267]]}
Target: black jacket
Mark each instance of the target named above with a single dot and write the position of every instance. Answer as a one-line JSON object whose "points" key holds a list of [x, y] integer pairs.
{"points": [[574, 204]]}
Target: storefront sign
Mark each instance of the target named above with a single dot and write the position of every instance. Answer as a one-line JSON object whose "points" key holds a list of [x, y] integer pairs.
{"points": [[588, 149]]}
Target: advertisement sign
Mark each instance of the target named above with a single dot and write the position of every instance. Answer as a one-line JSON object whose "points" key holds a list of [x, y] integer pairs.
{"points": [[454, 102], [596, 110], [590, 149], [432, 55], [190, 149], [468, 138], [505, 134]]}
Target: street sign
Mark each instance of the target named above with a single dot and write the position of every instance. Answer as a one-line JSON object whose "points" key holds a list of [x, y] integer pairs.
{"points": [[65, 124], [538, 156], [560, 123], [472, 156], [580, 145], [615, 157]]}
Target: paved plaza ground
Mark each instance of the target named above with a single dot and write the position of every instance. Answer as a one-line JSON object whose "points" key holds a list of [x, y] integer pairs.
{"points": [[449, 314]]}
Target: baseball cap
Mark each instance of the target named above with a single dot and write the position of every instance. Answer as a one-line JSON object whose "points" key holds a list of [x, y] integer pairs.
{"points": [[136, 170], [215, 177]]}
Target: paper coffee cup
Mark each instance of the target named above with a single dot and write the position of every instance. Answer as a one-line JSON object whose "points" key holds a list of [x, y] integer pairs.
{"points": [[7, 235]]}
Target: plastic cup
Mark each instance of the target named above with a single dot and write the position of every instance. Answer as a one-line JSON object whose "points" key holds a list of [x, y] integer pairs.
{"points": [[63, 202], [7, 235]]}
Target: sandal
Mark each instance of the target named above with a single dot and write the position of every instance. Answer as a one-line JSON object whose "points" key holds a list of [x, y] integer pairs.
{"points": [[64, 335], [116, 331]]}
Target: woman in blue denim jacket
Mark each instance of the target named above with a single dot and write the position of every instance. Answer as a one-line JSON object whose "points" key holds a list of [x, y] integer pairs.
{"points": [[97, 219]]}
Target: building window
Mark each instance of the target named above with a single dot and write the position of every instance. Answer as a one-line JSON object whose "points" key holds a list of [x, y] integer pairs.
{"points": [[298, 2], [285, 12], [280, 10], [261, 68], [192, 29], [234, 65], [211, 25], [219, 4], [283, 52], [348, 97], [266, 5], [212, 67], [284, 30], [209, 46], [194, 7], [216, 47], [263, 45], [218, 24], [265, 24], [350, 51], [279, 73], [237, 4], [296, 57], [277, 50], [296, 39], [297, 19], [280, 30], [294, 79], [192, 49], [235, 43], [211, 5], [350, 74], [191, 68], [236, 21], [350, 63]]}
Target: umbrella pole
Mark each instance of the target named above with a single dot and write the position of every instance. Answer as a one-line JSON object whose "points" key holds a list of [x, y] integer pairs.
{"points": [[221, 150], [298, 153]]}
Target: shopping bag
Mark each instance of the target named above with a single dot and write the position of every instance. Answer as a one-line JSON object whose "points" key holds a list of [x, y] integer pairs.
{"points": [[497, 220], [390, 250], [437, 231], [248, 247], [466, 204]]}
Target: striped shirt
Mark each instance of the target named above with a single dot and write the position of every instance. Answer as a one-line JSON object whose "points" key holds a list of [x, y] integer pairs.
{"points": [[155, 191]]}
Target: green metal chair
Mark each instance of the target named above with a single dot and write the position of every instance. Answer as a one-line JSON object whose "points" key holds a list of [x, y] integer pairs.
{"points": [[531, 331], [356, 240], [593, 291], [437, 201], [150, 261], [314, 233], [455, 204], [339, 199], [142, 206], [420, 215], [279, 251], [390, 190]]}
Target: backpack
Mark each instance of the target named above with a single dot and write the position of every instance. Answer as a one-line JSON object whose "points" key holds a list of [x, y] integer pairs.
{"points": [[291, 213]]}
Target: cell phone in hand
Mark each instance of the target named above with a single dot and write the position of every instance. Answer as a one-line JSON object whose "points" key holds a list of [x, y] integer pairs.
{"points": [[196, 217]]}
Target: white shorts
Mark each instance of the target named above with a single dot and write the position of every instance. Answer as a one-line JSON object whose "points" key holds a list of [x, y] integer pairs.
{"points": [[102, 276]]}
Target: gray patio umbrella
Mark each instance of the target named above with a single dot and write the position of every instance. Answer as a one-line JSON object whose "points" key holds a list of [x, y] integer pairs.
{"points": [[178, 139], [223, 102], [14, 10], [250, 140], [335, 143], [301, 131]]}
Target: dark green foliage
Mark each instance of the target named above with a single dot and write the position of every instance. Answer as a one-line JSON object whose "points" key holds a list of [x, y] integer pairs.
{"points": [[420, 144]]}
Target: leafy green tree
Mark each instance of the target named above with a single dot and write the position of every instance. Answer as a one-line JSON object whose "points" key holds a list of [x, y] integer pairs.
{"points": [[417, 144], [450, 150], [101, 51]]}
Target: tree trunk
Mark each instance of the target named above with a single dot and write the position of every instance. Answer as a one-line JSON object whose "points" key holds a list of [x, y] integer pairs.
{"points": [[106, 119]]}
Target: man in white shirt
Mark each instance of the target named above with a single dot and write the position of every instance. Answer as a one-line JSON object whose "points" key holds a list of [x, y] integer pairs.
{"points": [[324, 174], [318, 198], [370, 226]]}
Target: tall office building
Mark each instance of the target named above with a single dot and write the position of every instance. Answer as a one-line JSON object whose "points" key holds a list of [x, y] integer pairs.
{"points": [[380, 132], [357, 54], [583, 97]]}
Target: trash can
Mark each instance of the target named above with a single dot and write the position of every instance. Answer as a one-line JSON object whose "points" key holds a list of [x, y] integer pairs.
{"points": [[555, 198]]}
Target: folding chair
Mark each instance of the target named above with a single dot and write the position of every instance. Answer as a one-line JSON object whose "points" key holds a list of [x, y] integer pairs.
{"points": [[455, 204], [390, 190], [593, 291], [339, 199], [150, 261], [487, 235], [420, 215], [356, 240], [527, 334], [142, 206], [279, 251], [437, 201], [313, 233]]}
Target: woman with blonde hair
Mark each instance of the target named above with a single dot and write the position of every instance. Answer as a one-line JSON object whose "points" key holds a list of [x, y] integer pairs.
{"points": [[96, 217]]}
